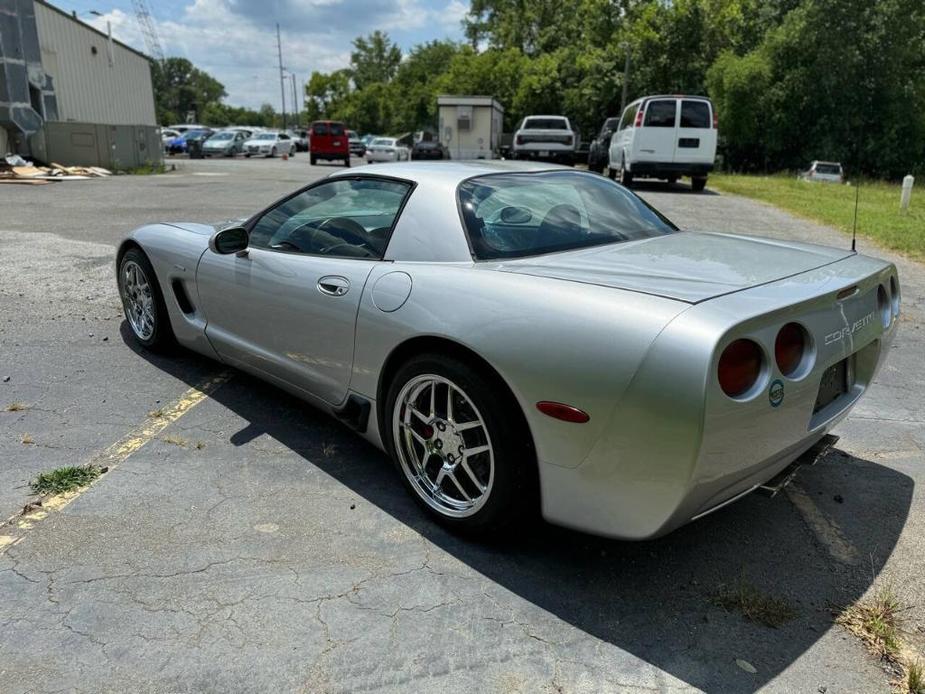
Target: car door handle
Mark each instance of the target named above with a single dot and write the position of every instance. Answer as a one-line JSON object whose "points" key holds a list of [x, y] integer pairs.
{"points": [[333, 285]]}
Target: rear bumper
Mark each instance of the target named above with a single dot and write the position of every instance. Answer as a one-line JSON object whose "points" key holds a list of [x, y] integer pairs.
{"points": [[557, 156], [340, 154], [664, 169]]}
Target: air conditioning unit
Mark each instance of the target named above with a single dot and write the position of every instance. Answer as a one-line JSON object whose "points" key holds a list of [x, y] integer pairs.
{"points": [[463, 118]]}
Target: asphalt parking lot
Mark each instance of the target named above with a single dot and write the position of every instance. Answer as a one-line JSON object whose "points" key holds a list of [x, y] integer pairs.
{"points": [[243, 541]]}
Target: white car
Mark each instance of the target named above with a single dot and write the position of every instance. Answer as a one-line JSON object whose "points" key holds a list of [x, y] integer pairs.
{"points": [[665, 137], [825, 171], [269, 144], [386, 149], [545, 138]]}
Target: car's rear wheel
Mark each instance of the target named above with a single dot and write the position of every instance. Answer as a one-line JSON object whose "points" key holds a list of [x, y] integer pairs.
{"points": [[347, 161], [463, 451], [312, 159], [143, 302], [698, 183]]}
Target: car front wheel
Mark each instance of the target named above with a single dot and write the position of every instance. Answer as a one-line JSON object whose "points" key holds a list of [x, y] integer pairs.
{"points": [[143, 302], [464, 452]]}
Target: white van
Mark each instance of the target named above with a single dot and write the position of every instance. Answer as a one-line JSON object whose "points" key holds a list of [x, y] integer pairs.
{"points": [[665, 137]]}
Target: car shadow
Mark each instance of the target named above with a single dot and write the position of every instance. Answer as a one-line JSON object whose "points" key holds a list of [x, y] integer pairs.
{"points": [[656, 600]]}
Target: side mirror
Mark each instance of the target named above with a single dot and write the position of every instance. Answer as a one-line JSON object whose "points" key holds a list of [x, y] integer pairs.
{"points": [[229, 240]]}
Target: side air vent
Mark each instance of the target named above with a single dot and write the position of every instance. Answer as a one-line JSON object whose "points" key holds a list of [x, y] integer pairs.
{"points": [[183, 301]]}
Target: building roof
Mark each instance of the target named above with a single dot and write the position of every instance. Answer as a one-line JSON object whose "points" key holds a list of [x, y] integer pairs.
{"points": [[467, 100], [90, 27]]}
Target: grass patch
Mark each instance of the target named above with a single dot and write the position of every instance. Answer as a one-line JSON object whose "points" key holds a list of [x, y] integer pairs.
{"points": [[915, 678], [65, 479], [176, 440], [156, 414], [877, 622], [16, 407], [148, 169], [879, 217], [754, 605]]}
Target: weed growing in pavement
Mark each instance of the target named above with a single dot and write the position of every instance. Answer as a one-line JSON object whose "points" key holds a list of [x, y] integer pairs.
{"points": [[876, 621], [176, 440], [754, 605], [65, 479], [915, 678], [27, 439], [329, 449], [16, 407], [156, 414], [200, 445]]}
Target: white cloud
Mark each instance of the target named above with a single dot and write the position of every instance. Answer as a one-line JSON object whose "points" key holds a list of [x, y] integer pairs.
{"points": [[235, 40]]}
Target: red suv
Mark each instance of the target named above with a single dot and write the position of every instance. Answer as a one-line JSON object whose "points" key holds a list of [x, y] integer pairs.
{"points": [[328, 140]]}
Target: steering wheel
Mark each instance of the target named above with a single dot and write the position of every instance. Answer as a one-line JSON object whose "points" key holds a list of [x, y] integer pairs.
{"points": [[345, 228]]}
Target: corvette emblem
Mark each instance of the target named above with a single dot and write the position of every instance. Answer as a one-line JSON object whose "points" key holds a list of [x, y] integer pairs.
{"points": [[776, 392]]}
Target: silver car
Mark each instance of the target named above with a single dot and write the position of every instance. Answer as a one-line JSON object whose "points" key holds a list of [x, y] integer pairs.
{"points": [[225, 143], [518, 336]]}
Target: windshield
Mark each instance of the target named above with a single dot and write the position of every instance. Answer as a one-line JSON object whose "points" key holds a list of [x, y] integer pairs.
{"points": [[545, 124], [522, 214], [383, 142], [266, 136]]}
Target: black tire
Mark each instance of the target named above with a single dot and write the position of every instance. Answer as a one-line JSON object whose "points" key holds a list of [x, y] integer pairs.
{"points": [[312, 159], [272, 152], [347, 161], [247, 156], [626, 178], [698, 183], [611, 173], [162, 338], [512, 497]]}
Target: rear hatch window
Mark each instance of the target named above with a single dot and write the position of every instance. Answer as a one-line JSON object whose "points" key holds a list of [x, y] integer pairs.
{"points": [[831, 169], [661, 113], [544, 124], [320, 129], [695, 114]]}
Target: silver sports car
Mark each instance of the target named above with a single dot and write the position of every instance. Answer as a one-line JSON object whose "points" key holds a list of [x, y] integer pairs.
{"points": [[522, 336]]}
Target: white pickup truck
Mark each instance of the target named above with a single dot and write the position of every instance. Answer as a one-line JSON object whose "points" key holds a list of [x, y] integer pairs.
{"points": [[545, 138]]}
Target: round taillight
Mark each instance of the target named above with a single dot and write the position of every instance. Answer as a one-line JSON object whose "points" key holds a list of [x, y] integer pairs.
{"points": [[739, 367], [789, 348], [884, 307]]}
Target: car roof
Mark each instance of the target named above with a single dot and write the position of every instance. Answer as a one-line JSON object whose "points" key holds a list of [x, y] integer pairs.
{"points": [[447, 172]]}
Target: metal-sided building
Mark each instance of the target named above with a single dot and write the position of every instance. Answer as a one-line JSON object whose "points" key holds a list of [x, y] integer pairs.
{"points": [[470, 126], [71, 94]]}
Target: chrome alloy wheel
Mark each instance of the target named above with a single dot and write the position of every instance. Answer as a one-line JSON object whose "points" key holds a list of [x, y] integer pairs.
{"points": [[443, 445], [138, 299]]}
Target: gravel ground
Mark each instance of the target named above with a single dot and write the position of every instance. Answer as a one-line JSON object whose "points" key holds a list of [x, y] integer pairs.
{"points": [[255, 544]]}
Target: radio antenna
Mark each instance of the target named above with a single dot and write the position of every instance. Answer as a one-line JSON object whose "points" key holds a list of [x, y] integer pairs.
{"points": [[854, 228]]}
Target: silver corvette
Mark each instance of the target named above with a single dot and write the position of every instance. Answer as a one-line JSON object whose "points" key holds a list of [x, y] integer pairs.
{"points": [[523, 337]]}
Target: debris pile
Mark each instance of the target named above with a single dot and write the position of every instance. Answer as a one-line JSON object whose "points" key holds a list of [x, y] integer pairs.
{"points": [[15, 169]]}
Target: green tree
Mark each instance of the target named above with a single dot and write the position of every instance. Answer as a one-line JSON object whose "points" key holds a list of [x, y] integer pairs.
{"points": [[180, 87], [374, 59]]}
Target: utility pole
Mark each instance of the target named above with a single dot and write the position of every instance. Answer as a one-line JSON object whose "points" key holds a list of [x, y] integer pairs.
{"points": [[282, 82], [296, 114], [626, 76]]}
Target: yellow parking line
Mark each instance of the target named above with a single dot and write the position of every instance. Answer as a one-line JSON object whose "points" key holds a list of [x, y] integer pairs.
{"points": [[14, 530], [826, 530]]}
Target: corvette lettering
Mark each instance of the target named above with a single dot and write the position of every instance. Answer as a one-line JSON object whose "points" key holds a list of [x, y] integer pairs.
{"points": [[850, 330]]}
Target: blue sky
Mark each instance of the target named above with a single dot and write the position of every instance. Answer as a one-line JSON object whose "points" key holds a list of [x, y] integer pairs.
{"points": [[235, 40]]}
